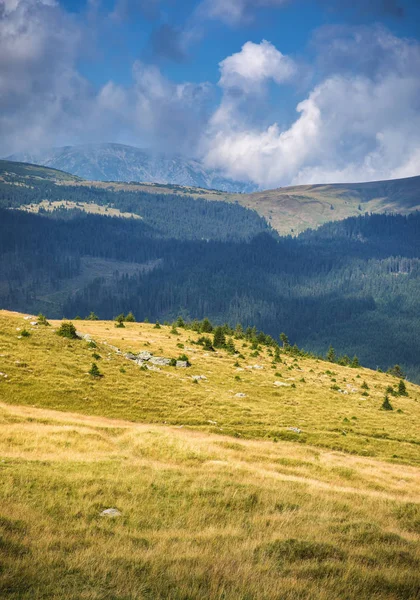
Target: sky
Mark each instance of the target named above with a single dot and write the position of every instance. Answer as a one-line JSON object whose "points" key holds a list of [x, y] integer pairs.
{"points": [[273, 92]]}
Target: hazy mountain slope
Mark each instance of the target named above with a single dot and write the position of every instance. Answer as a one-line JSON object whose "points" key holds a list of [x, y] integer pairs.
{"points": [[117, 162]]}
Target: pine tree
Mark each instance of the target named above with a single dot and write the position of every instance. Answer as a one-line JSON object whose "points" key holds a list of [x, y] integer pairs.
{"points": [[94, 370], [396, 371], [230, 346], [355, 362], [402, 389], [277, 357], [130, 318], [180, 322], [219, 339], [239, 332], [285, 341], [206, 326], [386, 404], [157, 325], [92, 317], [331, 355]]}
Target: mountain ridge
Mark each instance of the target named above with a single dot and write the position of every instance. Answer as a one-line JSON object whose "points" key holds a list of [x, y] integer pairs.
{"points": [[120, 162]]}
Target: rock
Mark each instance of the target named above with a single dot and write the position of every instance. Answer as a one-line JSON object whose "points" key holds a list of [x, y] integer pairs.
{"points": [[18, 329], [83, 336], [3, 375], [144, 355], [110, 512], [159, 360], [240, 395], [33, 323], [199, 378], [294, 429], [130, 356], [212, 422], [258, 367], [281, 384], [182, 364]]}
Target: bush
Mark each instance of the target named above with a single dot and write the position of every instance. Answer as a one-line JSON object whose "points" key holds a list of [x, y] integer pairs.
{"points": [[94, 371], [130, 318], [184, 358], [25, 333], [68, 330], [157, 325], [92, 317], [42, 320], [206, 342], [119, 324]]}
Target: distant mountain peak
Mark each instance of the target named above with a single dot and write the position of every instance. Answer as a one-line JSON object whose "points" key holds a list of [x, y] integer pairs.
{"points": [[119, 162]]}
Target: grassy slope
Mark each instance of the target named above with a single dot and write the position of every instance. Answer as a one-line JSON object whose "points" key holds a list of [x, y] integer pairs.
{"points": [[204, 515], [288, 210], [47, 371]]}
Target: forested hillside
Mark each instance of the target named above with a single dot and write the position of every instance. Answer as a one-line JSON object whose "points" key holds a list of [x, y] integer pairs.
{"points": [[289, 210], [354, 284]]}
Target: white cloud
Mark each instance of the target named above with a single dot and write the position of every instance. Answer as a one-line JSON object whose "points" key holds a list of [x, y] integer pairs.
{"points": [[350, 127], [45, 101], [253, 66]]}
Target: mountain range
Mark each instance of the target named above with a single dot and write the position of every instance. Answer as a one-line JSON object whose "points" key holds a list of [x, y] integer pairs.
{"points": [[118, 162]]}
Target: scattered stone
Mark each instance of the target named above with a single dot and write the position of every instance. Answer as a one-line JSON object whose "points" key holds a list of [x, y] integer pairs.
{"points": [[281, 384], [199, 378], [159, 360], [294, 429], [144, 355], [18, 329], [84, 336], [240, 369], [130, 356], [29, 317], [240, 395], [182, 364], [110, 512], [33, 323], [3, 375], [212, 422]]}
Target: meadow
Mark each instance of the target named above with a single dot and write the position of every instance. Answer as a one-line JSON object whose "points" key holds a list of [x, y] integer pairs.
{"points": [[218, 497]]}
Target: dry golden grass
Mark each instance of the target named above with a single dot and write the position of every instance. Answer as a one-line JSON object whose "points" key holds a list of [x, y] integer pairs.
{"points": [[47, 371], [202, 515], [89, 207]]}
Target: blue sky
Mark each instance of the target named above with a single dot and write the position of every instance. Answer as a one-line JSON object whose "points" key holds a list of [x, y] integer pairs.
{"points": [[271, 91]]}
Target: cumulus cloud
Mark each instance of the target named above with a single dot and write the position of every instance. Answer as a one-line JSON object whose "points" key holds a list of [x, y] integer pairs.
{"points": [[351, 127], [254, 66], [44, 100]]}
